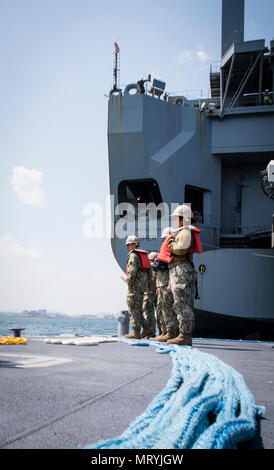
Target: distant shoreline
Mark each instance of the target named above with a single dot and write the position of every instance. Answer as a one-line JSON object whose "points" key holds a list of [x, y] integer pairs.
{"points": [[59, 316]]}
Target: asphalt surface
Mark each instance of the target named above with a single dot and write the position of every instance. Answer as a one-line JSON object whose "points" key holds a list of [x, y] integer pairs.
{"points": [[65, 397]]}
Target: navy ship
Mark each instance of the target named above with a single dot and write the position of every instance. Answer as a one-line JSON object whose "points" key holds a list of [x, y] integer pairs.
{"points": [[216, 154]]}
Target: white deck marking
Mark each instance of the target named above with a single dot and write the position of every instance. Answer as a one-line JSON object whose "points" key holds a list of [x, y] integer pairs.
{"points": [[28, 360]]}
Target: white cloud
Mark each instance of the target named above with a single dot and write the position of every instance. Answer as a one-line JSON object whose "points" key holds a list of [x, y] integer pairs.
{"points": [[46, 268], [26, 183], [8, 246], [186, 56], [202, 56], [199, 56]]}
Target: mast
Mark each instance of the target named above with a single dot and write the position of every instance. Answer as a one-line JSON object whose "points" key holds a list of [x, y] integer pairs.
{"points": [[116, 66]]}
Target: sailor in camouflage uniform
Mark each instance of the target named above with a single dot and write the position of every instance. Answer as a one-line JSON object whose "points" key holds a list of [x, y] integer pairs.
{"points": [[183, 275], [166, 317], [150, 300], [137, 281]]}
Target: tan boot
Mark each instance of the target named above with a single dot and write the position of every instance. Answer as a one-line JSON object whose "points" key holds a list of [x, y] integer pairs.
{"points": [[134, 335], [159, 337], [168, 336], [147, 332], [181, 340], [188, 340]]}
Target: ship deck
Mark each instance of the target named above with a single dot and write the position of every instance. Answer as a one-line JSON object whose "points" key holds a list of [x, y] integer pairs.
{"points": [[66, 397]]}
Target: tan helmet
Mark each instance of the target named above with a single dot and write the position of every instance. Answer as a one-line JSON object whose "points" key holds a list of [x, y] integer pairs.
{"points": [[184, 210], [167, 231], [132, 239], [152, 255]]}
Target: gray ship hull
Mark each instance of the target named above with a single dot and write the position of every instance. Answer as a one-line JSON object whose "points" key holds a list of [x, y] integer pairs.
{"points": [[238, 279], [211, 153]]}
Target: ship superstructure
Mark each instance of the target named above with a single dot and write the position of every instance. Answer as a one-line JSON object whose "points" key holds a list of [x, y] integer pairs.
{"points": [[210, 153]]}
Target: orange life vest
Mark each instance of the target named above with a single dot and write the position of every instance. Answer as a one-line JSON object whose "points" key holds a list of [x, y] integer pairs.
{"points": [[165, 253], [197, 245], [145, 263]]}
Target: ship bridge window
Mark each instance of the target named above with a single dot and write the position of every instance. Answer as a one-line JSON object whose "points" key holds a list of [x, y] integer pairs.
{"points": [[139, 191]]}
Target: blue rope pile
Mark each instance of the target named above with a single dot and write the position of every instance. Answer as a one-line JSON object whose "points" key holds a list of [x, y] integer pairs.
{"points": [[205, 405]]}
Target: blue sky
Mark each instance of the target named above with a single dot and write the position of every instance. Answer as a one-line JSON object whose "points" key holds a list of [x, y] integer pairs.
{"points": [[55, 70]]}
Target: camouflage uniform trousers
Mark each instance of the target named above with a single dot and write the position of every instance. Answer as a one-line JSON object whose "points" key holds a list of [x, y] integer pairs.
{"points": [[149, 305], [135, 298], [159, 315], [182, 283], [166, 315]]}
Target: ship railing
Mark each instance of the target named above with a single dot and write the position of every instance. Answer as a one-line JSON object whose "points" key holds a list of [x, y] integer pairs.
{"points": [[194, 97], [197, 97], [252, 99], [229, 230], [191, 94], [253, 230]]}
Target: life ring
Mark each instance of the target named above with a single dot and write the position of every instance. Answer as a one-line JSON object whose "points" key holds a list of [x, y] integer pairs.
{"points": [[115, 92], [179, 101], [196, 215], [132, 86]]}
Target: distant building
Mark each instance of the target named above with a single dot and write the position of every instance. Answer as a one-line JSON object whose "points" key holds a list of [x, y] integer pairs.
{"points": [[34, 313]]}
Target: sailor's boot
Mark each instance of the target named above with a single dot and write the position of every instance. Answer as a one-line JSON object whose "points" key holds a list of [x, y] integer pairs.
{"points": [[134, 335], [181, 340], [168, 336], [159, 337], [147, 332]]}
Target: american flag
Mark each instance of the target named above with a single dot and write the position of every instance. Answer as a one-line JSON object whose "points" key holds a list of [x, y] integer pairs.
{"points": [[116, 47]]}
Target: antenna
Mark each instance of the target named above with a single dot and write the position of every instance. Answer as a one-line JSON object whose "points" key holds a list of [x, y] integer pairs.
{"points": [[116, 66]]}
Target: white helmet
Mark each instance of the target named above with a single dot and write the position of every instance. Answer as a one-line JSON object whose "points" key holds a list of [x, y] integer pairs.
{"points": [[152, 255], [184, 210], [167, 231], [132, 239]]}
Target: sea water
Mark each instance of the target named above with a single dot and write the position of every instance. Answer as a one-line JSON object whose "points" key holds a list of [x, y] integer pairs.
{"points": [[55, 326]]}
